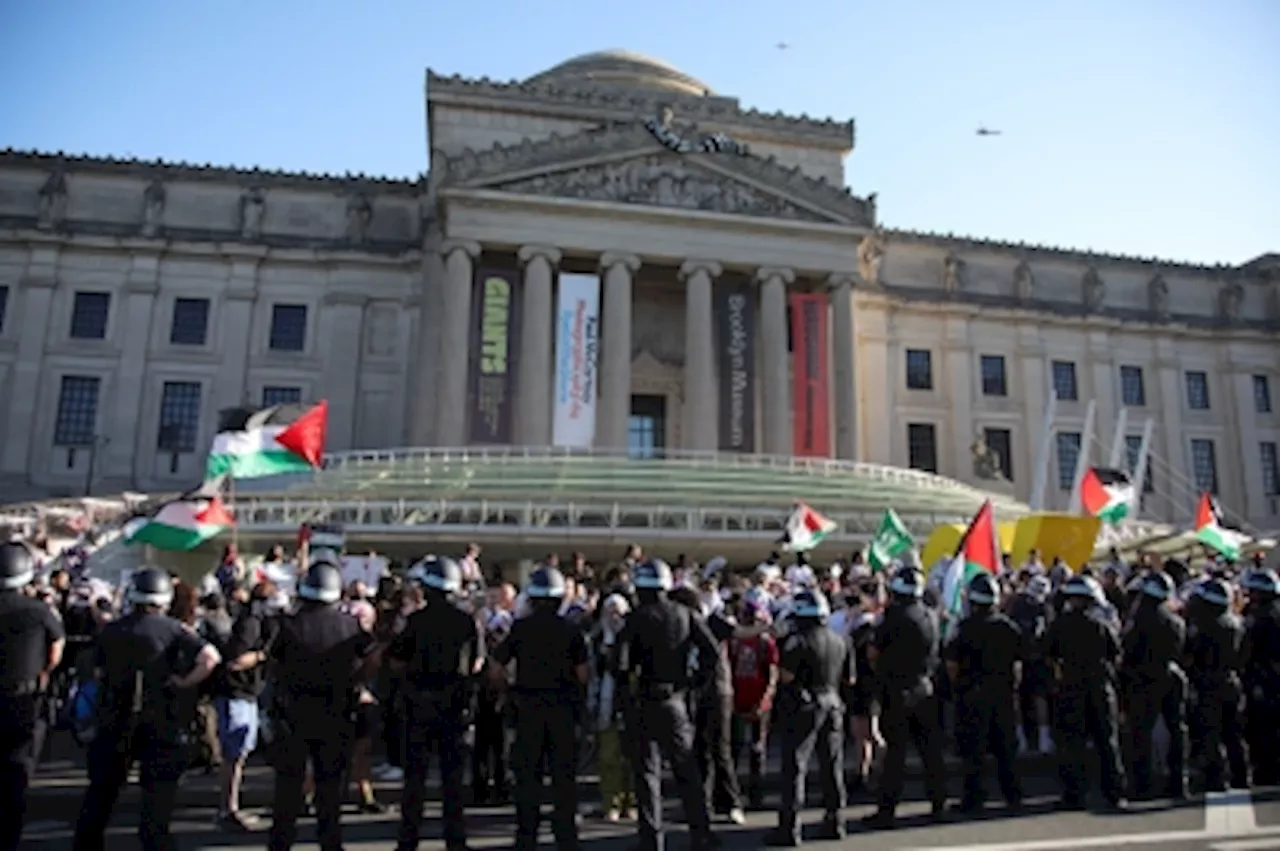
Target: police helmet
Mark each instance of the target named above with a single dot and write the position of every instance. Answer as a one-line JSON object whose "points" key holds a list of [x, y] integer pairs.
{"points": [[322, 584], [1082, 586], [151, 587], [325, 555], [1262, 581], [1215, 592], [653, 575], [810, 604], [546, 583], [438, 572], [984, 590], [1157, 585], [17, 567], [907, 582]]}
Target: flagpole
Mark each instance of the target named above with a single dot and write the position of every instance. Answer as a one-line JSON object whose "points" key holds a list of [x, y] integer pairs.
{"points": [[1082, 459], [235, 527], [1117, 440], [1139, 472]]}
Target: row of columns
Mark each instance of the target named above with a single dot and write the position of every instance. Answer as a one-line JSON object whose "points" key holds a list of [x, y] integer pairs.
{"points": [[535, 365]]}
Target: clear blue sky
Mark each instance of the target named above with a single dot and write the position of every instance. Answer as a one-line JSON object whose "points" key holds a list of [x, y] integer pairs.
{"points": [[1147, 127]]}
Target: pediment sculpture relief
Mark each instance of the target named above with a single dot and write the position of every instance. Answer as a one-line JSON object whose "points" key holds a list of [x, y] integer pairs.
{"points": [[53, 201], [952, 274], [1273, 304], [1230, 297], [359, 214], [1093, 290], [871, 258], [659, 181], [1158, 297], [1024, 281], [253, 205], [986, 461], [153, 208]]}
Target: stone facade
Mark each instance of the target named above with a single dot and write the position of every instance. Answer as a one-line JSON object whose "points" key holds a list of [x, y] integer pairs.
{"points": [[617, 165]]}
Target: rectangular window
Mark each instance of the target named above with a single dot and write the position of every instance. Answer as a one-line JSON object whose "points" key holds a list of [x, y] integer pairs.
{"points": [[1270, 468], [922, 447], [1197, 390], [647, 426], [919, 369], [288, 327], [4, 306], [1068, 457], [179, 417], [1064, 381], [1132, 448], [1000, 441], [272, 396], [77, 423], [1261, 394], [89, 315], [1132, 390], [1204, 465], [993, 378], [190, 324]]}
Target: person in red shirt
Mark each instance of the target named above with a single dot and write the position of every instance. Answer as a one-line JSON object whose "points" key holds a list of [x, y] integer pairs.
{"points": [[754, 664]]}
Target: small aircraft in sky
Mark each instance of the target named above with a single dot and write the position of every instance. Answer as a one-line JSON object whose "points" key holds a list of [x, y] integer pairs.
{"points": [[984, 131], [782, 45]]}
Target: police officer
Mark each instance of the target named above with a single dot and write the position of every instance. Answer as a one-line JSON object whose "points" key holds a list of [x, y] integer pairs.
{"points": [[321, 655], [815, 666], [551, 669], [1156, 685], [440, 651], [31, 643], [984, 666], [654, 650], [1215, 639], [1084, 650], [904, 652], [140, 703], [1261, 667]]}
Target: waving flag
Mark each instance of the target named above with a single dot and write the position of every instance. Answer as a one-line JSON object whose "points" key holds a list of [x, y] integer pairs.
{"points": [[267, 442], [186, 522], [1107, 494], [1213, 531], [977, 551], [891, 540], [805, 529]]}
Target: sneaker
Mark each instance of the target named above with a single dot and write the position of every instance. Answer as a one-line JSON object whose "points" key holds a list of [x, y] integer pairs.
{"points": [[236, 822], [737, 816], [612, 815], [391, 774]]}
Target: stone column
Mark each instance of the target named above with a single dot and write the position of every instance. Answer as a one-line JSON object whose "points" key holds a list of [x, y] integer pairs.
{"points": [[958, 354], [700, 400], [615, 363], [1240, 381], [126, 452], [32, 317], [775, 362], [537, 326], [426, 371], [844, 370], [879, 388], [343, 354], [455, 342], [238, 321]]}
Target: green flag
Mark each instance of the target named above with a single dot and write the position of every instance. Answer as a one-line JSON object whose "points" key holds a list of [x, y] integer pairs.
{"points": [[891, 541]]}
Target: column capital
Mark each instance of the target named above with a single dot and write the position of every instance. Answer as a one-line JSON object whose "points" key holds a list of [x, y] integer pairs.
{"points": [[470, 247], [839, 280], [614, 258], [529, 253], [692, 267], [767, 273]]}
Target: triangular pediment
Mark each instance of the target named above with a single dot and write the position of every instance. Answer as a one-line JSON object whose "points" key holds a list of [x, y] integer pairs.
{"points": [[628, 164]]}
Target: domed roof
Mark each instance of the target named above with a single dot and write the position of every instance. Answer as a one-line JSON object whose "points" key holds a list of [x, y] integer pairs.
{"points": [[624, 69]]}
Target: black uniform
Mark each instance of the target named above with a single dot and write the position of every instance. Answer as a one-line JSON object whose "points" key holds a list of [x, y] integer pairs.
{"points": [[654, 648], [907, 645], [318, 654], [1085, 649], [1156, 687], [440, 647], [810, 711], [547, 650], [986, 648], [1262, 690], [28, 628], [1214, 645], [141, 718], [713, 724]]}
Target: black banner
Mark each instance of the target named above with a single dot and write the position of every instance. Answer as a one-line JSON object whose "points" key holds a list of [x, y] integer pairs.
{"points": [[495, 328], [736, 309]]}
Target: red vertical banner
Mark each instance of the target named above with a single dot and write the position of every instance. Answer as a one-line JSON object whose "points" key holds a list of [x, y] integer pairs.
{"points": [[811, 376]]}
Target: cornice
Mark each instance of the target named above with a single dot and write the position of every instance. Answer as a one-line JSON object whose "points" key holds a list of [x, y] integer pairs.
{"points": [[598, 102]]}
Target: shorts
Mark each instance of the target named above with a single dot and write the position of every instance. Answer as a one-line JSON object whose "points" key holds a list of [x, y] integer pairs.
{"points": [[237, 727]]}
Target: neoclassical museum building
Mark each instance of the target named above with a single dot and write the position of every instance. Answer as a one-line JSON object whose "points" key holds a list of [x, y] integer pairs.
{"points": [[607, 254]]}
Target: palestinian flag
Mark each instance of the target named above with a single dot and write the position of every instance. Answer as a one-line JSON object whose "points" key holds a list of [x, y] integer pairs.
{"points": [[186, 522], [805, 529], [252, 443], [978, 551], [1213, 531], [891, 540], [1107, 494]]}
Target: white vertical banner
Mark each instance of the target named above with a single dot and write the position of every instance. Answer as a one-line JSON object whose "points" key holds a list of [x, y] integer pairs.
{"points": [[577, 357]]}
